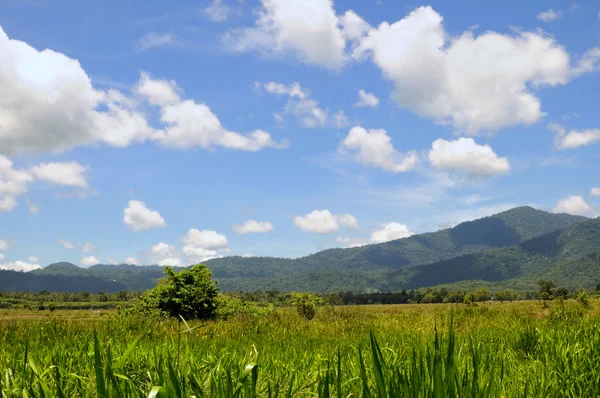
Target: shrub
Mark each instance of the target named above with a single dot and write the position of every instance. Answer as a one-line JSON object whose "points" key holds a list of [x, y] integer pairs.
{"points": [[189, 293], [306, 304]]}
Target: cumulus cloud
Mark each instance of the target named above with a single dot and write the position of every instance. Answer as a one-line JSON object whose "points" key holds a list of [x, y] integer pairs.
{"points": [[324, 222], [391, 231], [153, 39], [67, 244], [465, 155], [595, 192], [588, 63], [475, 83], [33, 259], [573, 139], [302, 107], [217, 11], [307, 30], [204, 245], [3, 245], [19, 266], [1, 257], [367, 100], [550, 15], [89, 261], [253, 227], [188, 123], [51, 106], [374, 148], [87, 247], [132, 260], [66, 174], [138, 217], [15, 182], [575, 205], [349, 242], [165, 255]]}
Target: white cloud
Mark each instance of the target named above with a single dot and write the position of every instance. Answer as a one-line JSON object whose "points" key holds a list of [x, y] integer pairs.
{"points": [[595, 192], [132, 260], [138, 217], [165, 255], [171, 262], [197, 254], [153, 39], [33, 208], [550, 15], [575, 205], [374, 148], [217, 11], [353, 26], [588, 63], [87, 247], [1, 257], [53, 107], [3, 245], [67, 244], [324, 222], [190, 124], [205, 239], [89, 261], [307, 30], [350, 242], [66, 174], [464, 154], [204, 245], [573, 138], [7, 203], [305, 109], [19, 266], [33, 259], [367, 100], [476, 84], [391, 231], [252, 227]]}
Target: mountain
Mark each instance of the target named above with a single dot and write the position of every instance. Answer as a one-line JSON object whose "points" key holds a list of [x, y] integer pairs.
{"points": [[557, 254], [494, 248]]}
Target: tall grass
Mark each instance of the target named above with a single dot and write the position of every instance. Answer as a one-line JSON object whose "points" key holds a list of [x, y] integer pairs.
{"points": [[513, 350]]}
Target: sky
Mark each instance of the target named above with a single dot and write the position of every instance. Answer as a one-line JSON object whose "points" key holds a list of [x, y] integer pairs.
{"points": [[174, 132]]}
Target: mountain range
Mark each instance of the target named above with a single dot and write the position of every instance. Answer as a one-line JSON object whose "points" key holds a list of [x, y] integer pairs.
{"points": [[510, 249]]}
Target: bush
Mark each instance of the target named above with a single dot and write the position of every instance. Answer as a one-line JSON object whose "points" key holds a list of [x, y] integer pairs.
{"points": [[306, 304], [191, 294]]}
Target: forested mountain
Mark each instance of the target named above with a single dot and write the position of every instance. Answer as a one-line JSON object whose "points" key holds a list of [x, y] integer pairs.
{"points": [[518, 243]]}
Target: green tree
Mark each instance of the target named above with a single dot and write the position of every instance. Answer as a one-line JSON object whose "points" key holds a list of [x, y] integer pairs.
{"points": [[306, 304], [189, 293], [546, 286], [501, 296], [482, 294]]}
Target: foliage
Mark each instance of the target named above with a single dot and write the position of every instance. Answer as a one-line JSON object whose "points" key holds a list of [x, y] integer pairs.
{"points": [[306, 304], [189, 293]]}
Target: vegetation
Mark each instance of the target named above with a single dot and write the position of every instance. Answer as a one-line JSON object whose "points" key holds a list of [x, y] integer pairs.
{"points": [[519, 349], [516, 247]]}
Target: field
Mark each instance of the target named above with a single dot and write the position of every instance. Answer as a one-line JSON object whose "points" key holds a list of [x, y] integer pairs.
{"points": [[516, 349]]}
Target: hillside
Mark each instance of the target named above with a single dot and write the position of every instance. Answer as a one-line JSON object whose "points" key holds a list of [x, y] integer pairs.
{"points": [[557, 254], [503, 229]]}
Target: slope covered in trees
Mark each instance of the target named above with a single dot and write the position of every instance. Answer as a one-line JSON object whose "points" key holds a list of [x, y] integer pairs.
{"points": [[517, 243]]}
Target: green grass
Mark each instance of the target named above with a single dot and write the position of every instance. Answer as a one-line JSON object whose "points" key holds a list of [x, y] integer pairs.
{"points": [[510, 350]]}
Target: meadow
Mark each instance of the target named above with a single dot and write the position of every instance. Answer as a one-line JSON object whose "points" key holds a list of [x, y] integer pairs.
{"points": [[515, 349]]}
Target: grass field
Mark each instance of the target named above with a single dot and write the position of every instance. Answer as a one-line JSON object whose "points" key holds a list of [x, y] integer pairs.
{"points": [[435, 350]]}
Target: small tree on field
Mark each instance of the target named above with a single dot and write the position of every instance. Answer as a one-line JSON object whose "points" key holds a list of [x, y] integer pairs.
{"points": [[546, 288], [189, 293], [482, 294], [501, 296], [306, 304]]}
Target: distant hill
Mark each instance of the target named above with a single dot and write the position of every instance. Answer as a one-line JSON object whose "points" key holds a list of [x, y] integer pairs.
{"points": [[507, 245]]}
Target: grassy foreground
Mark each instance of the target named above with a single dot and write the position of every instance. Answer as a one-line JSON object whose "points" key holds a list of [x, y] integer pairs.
{"points": [[501, 350]]}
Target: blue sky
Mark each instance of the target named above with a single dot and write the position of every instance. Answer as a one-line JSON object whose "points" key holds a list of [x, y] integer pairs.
{"points": [[153, 132]]}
